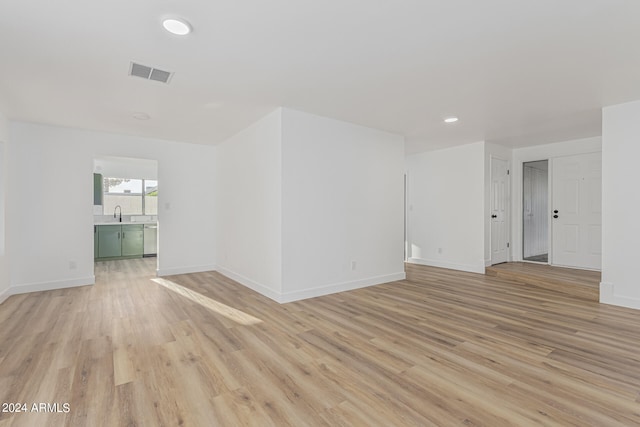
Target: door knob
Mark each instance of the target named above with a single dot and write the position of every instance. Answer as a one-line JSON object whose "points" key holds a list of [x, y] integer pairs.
{"points": [[555, 216], [555, 211], [494, 216]]}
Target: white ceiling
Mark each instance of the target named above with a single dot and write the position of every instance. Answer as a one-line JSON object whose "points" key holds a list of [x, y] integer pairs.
{"points": [[516, 72]]}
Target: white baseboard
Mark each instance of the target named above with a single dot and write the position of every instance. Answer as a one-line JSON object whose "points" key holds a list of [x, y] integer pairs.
{"points": [[608, 296], [312, 292], [450, 265], [251, 284], [340, 287], [184, 270], [5, 294], [50, 286], [487, 263]]}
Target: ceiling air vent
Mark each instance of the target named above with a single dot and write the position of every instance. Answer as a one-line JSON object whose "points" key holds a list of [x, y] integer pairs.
{"points": [[149, 73]]}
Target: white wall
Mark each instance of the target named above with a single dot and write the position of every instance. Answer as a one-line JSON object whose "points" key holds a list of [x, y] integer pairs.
{"points": [[446, 207], [620, 205], [50, 209], [125, 167], [342, 203], [301, 197], [249, 194], [4, 259], [530, 154], [3, 178]]}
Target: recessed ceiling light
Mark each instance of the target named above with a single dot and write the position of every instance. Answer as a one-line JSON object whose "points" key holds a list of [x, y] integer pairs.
{"points": [[175, 26], [451, 120], [141, 116]]}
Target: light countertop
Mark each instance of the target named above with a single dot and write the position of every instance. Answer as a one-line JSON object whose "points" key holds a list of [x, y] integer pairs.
{"points": [[127, 223]]}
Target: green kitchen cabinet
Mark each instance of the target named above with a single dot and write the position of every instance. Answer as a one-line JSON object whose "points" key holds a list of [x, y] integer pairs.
{"points": [[97, 189], [118, 241], [132, 240], [109, 241], [95, 241]]}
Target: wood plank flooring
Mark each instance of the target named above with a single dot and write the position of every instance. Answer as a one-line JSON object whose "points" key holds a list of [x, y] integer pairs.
{"points": [[538, 258], [441, 348], [578, 283]]}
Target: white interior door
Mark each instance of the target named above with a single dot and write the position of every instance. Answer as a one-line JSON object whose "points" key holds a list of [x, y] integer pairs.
{"points": [[499, 214], [577, 211]]}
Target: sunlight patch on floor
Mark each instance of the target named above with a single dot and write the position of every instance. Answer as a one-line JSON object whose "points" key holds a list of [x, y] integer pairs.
{"points": [[213, 305]]}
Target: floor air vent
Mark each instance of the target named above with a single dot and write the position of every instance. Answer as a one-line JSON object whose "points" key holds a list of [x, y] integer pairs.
{"points": [[149, 73]]}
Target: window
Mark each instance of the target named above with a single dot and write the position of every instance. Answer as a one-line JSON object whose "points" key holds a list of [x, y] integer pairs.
{"points": [[129, 195], [150, 201]]}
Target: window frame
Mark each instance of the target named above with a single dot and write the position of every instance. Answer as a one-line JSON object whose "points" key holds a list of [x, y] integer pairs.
{"points": [[142, 194]]}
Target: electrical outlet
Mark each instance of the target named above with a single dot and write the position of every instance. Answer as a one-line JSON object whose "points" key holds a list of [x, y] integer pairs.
{"points": [[73, 265], [439, 250], [353, 265]]}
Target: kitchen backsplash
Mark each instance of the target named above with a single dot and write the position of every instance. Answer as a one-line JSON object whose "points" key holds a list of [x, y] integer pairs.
{"points": [[125, 218]]}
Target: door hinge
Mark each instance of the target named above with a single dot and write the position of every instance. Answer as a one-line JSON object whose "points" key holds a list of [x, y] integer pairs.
{"points": [[507, 244], [507, 171]]}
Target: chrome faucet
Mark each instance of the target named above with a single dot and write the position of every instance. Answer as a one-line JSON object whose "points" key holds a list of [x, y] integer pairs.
{"points": [[114, 212]]}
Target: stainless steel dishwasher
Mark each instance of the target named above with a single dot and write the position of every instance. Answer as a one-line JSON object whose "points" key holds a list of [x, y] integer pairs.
{"points": [[150, 240]]}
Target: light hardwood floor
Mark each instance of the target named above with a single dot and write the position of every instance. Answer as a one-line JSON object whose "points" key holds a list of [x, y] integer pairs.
{"points": [[442, 348], [577, 283]]}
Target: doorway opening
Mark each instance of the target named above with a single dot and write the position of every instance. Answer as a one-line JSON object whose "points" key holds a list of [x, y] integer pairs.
{"points": [[125, 209], [535, 211]]}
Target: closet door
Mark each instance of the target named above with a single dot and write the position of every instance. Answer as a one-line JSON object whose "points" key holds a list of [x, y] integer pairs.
{"points": [[577, 211]]}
